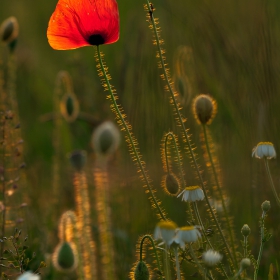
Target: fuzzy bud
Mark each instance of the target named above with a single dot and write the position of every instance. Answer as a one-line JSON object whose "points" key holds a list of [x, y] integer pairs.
{"points": [[204, 109], [245, 263], [69, 107], [141, 271], [65, 257], [245, 230], [171, 184], [266, 206], [78, 159]]}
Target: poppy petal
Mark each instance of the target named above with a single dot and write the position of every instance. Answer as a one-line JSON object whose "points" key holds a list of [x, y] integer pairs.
{"points": [[78, 23]]}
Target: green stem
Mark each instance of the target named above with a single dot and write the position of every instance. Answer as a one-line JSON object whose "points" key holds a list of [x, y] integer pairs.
{"points": [[167, 264], [261, 247], [154, 248], [220, 192], [181, 123], [127, 128], [177, 264], [271, 181]]}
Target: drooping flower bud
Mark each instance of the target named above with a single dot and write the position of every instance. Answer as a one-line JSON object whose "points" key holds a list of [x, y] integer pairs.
{"points": [[141, 271], [78, 159], [170, 184], [204, 109], [9, 30]]}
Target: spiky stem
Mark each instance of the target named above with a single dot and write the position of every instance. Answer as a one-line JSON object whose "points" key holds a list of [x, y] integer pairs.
{"points": [[129, 137], [181, 122]]}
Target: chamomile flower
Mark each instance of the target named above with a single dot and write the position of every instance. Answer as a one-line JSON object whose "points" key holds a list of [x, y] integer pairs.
{"points": [[28, 276], [211, 257], [264, 149], [192, 193], [165, 230], [187, 234]]}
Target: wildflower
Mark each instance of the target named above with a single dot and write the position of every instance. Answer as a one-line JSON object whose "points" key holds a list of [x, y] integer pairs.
{"points": [[187, 234], [9, 30], [211, 257], [193, 193], [28, 276], [264, 149], [204, 109], [165, 230], [82, 23]]}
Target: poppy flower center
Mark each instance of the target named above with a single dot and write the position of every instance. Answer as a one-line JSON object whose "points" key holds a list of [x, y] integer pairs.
{"points": [[96, 40]]}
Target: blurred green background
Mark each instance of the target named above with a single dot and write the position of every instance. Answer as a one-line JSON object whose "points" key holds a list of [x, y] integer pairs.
{"points": [[232, 54]]}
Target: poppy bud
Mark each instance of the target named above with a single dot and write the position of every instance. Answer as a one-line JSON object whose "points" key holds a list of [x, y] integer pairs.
{"points": [[65, 257], [69, 107], [78, 159], [171, 184], [141, 271], [204, 109], [106, 138], [9, 32]]}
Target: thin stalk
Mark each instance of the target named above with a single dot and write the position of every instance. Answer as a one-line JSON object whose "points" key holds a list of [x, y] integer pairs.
{"points": [[271, 181], [181, 123], [167, 264], [154, 248], [177, 264], [220, 192], [126, 126], [261, 247]]}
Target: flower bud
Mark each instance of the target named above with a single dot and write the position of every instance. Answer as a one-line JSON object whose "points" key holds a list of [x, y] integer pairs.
{"points": [[9, 30], [245, 230], [245, 263], [69, 107], [141, 271], [204, 109], [65, 257], [266, 206], [106, 138], [78, 159], [170, 184]]}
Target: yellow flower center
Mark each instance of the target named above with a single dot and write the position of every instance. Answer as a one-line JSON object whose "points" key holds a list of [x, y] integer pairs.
{"points": [[187, 228], [265, 143], [191, 188], [167, 225]]}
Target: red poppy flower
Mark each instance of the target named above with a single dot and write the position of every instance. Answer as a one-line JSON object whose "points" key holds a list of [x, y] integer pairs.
{"points": [[78, 23]]}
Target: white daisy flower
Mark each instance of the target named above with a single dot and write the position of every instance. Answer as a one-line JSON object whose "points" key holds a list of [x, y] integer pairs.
{"points": [[191, 194], [165, 230], [211, 257], [28, 276], [187, 234], [264, 149]]}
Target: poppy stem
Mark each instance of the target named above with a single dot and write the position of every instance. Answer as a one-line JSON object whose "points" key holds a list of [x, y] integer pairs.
{"points": [[130, 139]]}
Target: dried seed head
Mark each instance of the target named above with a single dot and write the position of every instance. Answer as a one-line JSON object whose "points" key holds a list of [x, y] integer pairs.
{"points": [[170, 184], [78, 159], [245, 230], [141, 271], [204, 109]]}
